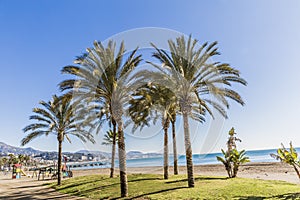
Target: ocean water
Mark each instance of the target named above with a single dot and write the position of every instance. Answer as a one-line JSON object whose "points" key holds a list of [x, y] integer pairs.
{"points": [[198, 159]]}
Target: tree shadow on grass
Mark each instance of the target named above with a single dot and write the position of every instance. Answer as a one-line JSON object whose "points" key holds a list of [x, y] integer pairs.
{"points": [[101, 187], [197, 179], [281, 196], [288, 196], [144, 179], [250, 198], [62, 187], [42, 193], [150, 193]]}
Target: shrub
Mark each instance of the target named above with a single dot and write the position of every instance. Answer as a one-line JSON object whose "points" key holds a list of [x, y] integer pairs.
{"points": [[232, 157], [288, 156]]}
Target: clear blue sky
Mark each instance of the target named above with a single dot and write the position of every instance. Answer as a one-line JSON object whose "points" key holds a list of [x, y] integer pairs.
{"points": [[260, 38]]}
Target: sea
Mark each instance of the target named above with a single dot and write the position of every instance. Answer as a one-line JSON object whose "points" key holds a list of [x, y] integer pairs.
{"points": [[198, 159]]}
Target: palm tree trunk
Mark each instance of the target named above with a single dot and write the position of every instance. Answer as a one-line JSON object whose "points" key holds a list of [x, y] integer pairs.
{"points": [[174, 148], [228, 172], [59, 162], [166, 150], [122, 160], [188, 151], [297, 171], [113, 149]]}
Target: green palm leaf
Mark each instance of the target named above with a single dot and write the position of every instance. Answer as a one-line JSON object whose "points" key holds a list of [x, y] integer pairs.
{"points": [[59, 118]]}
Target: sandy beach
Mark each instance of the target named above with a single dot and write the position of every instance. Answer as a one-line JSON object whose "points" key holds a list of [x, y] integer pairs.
{"points": [[30, 188], [264, 170]]}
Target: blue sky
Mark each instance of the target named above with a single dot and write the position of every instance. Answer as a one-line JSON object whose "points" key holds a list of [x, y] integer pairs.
{"points": [[260, 38]]}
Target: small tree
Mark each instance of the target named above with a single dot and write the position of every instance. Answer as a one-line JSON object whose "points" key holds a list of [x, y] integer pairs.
{"points": [[110, 138], [288, 156], [232, 157]]}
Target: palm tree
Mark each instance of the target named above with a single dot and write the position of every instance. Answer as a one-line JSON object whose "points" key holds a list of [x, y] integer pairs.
{"points": [[154, 98], [173, 111], [21, 158], [110, 138], [57, 117], [101, 114], [100, 80], [198, 83], [12, 159]]}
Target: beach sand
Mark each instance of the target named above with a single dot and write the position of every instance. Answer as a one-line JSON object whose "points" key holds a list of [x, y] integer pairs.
{"points": [[30, 188], [264, 170]]}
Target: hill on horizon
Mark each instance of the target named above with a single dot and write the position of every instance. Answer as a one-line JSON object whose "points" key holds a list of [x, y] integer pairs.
{"points": [[6, 149]]}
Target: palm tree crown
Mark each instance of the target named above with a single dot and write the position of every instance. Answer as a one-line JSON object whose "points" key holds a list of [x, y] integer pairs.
{"points": [[109, 137], [57, 117], [199, 84]]}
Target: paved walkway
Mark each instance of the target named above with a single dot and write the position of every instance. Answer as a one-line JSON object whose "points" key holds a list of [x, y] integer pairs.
{"points": [[28, 188]]}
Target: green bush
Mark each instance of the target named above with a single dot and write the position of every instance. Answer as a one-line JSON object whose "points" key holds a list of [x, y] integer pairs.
{"points": [[232, 157]]}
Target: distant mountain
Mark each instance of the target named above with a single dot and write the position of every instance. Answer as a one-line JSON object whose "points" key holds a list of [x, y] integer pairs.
{"points": [[96, 153], [138, 154], [129, 155], [6, 149]]}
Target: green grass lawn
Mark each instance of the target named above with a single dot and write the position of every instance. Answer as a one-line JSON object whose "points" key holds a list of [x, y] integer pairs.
{"points": [[150, 186]]}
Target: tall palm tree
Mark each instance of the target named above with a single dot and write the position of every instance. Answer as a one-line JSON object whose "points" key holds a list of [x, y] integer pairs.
{"points": [[100, 79], [57, 116], [110, 138], [101, 114], [173, 111], [198, 84], [154, 98]]}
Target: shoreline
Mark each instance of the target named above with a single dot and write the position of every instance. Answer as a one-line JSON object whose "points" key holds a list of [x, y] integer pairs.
{"points": [[256, 170]]}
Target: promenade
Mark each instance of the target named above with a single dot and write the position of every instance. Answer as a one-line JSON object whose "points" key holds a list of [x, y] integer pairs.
{"points": [[27, 189]]}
